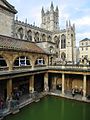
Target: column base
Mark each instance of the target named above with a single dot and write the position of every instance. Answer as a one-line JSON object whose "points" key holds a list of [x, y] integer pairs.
{"points": [[84, 98], [63, 94]]}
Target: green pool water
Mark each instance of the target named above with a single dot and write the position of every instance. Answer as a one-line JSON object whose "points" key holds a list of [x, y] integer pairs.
{"points": [[53, 108]]}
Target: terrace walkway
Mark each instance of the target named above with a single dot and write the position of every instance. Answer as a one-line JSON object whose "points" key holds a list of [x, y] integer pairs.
{"points": [[68, 95]]}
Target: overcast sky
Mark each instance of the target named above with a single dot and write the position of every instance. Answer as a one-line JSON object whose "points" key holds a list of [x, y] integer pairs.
{"points": [[78, 11]]}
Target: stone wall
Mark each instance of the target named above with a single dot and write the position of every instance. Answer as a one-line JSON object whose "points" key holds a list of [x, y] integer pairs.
{"points": [[6, 23]]}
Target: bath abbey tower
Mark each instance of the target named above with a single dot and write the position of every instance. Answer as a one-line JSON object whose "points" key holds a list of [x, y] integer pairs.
{"points": [[50, 19]]}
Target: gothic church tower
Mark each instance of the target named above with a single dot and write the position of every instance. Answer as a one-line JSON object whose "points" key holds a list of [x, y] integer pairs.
{"points": [[50, 19]]}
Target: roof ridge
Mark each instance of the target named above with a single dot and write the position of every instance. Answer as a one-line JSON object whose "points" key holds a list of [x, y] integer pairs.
{"points": [[23, 45], [11, 7]]}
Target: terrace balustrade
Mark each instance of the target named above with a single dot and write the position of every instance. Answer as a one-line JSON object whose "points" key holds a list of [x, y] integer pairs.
{"points": [[44, 66]]}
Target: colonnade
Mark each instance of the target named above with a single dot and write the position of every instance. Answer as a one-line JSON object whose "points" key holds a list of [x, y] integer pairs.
{"points": [[46, 84], [63, 80]]}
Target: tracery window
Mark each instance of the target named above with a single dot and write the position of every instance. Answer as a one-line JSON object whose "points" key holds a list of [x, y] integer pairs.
{"points": [[36, 38], [29, 35], [63, 41], [20, 32], [56, 40], [43, 37]]}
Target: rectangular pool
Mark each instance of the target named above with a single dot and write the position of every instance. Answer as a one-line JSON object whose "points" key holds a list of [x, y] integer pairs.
{"points": [[53, 108]]}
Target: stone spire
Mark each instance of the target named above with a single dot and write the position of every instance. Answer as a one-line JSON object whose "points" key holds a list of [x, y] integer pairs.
{"points": [[66, 24], [57, 9], [69, 23], [52, 7], [42, 10], [17, 17], [73, 26], [26, 20]]}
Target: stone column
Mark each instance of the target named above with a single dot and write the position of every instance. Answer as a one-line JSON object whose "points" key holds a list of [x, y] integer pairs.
{"points": [[9, 87], [54, 83], [84, 87], [63, 80], [31, 84], [46, 87]]}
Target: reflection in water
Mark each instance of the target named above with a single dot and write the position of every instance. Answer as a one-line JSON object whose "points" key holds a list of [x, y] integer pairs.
{"points": [[62, 109], [84, 112], [53, 108]]}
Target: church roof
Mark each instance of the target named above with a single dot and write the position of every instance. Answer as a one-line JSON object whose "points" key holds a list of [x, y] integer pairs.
{"points": [[6, 5], [85, 39], [9, 43]]}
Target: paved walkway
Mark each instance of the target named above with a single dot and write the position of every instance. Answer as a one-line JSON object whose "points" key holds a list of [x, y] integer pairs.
{"points": [[69, 96]]}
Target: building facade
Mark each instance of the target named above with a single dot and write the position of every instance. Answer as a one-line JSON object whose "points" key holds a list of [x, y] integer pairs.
{"points": [[27, 53], [50, 37], [84, 49]]}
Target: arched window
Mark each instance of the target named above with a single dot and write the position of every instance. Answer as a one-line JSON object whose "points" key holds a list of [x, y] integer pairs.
{"points": [[49, 38], [20, 32], [40, 61], [36, 38], [56, 40], [22, 61], [51, 49], [29, 35], [63, 56], [63, 41], [2, 62], [43, 37]]}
